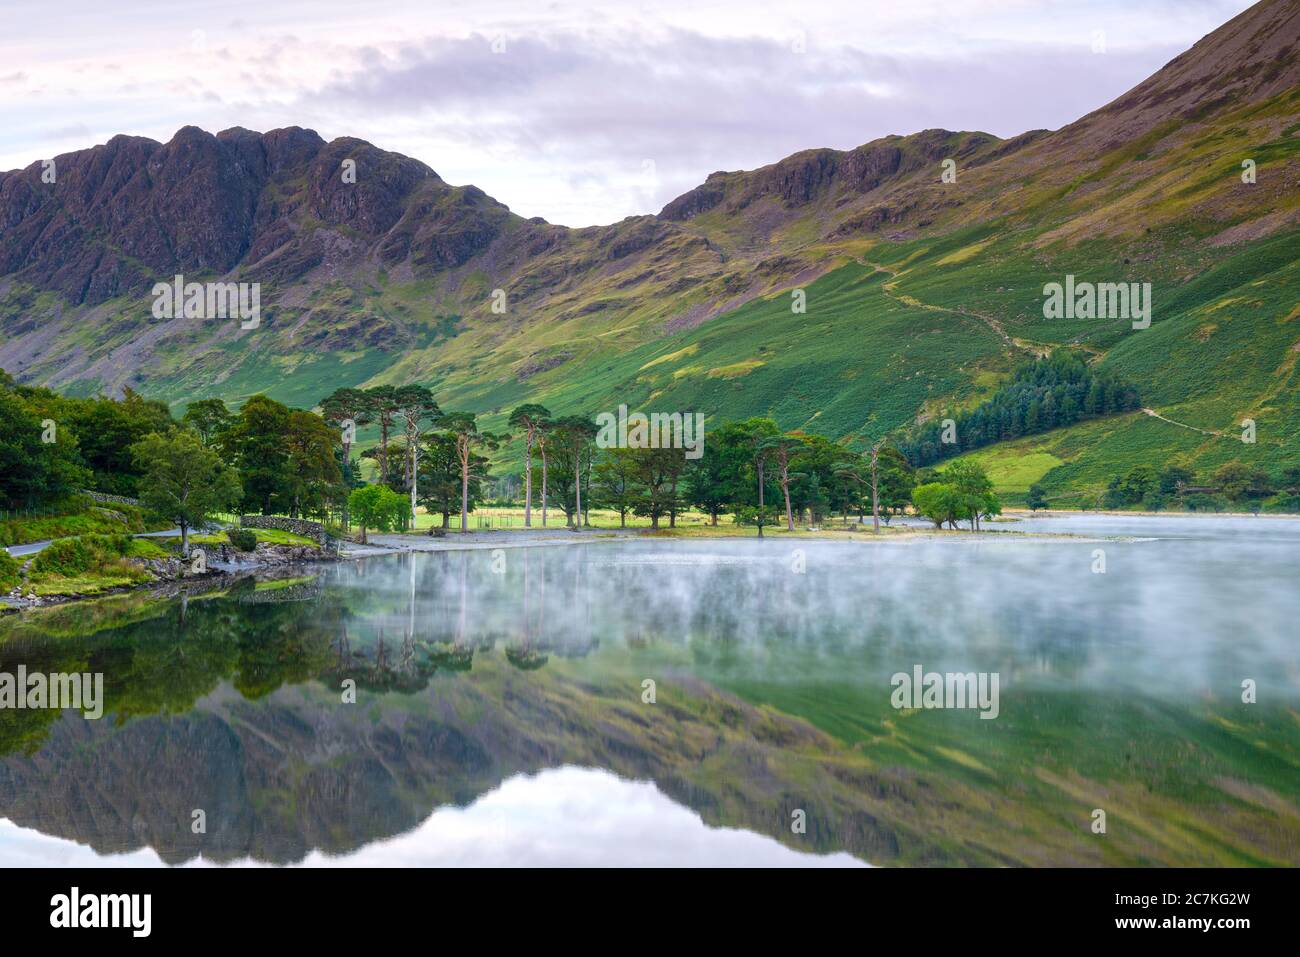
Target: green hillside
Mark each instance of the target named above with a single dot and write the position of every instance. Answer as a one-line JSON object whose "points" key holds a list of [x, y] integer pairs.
{"points": [[922, 295]]}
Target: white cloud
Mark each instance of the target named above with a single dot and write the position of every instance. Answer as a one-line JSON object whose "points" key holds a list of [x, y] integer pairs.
{"points": [[561, 123]]}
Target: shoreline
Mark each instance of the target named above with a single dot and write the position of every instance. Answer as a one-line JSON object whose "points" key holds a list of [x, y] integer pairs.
{"points": [[381, 545]]}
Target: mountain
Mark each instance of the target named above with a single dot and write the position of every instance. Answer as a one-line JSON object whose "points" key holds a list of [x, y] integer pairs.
{"points": [[922, 294]]}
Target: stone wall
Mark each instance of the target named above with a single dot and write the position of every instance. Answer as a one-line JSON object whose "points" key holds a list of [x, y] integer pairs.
{"points": [[105, 499], [295, 526]]}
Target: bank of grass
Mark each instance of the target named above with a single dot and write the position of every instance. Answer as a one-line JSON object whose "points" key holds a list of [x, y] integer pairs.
{"points": [[270, 536], [827, 530], [690, 524], [485, 518], [279, 584], [92, 520], [90, 564]]}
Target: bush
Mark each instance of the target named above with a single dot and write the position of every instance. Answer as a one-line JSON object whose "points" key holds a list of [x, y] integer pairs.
{"points": [[76, 556], [9, 571], [244, 539], [1036, 498]]}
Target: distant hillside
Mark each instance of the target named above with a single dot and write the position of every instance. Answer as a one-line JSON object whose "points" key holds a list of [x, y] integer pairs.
{"points": [[921, 294]]}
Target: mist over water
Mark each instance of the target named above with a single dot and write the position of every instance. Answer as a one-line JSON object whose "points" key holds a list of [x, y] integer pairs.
{"points": [[1192, 607], [522, 672]]}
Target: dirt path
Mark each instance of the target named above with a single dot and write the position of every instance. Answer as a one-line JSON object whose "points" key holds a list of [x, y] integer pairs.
{"points": [[1019, 345], [1156, 415]]}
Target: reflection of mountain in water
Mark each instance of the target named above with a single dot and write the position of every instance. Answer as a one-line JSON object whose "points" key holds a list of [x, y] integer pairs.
{"points": [[563, 817], [282, 770], [298, 771], [233, 703]]}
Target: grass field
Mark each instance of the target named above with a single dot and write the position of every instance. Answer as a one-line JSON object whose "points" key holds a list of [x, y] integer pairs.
{"points": [[689, 523]]}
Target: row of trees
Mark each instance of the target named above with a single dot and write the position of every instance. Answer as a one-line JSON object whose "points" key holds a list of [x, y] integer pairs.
{"points": [[52, 446], [286, 458], [431, 457], [750, 469], [300, 463], [1232, 483], [1043, 394]]}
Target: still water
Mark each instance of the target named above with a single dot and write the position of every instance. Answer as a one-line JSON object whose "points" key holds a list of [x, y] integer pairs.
{"points": [[686, 702]]}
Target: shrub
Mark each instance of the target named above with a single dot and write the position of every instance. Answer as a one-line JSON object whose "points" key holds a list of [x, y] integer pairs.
{"points": [[76, 556], [9, 571], [244, 539]]}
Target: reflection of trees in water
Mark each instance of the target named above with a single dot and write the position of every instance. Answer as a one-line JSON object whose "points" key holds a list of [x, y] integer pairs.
{"points": [[164, 658], [727, 608], [349, 779], [393, 624]]}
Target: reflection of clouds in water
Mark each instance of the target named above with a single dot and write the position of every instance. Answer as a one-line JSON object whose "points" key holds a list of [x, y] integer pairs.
{"points": [[23, 847], [563, 817]]}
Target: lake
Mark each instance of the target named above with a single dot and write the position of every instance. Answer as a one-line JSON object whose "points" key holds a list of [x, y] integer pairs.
{"points": [[646, 702]]}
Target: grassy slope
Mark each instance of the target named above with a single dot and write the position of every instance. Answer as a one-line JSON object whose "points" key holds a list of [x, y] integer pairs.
{"points": [[961, 303]]}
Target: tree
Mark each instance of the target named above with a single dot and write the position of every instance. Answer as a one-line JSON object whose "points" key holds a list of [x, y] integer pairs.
{"points": [[1042, 394], [896, 480], [1290, 480], [1114, 497], [655, 475], [464, 430], [440, 489], [974, 491], [1135, 485], [852, 475], [778, 449], [1175, 478], [937, 501], [255, 444], [183, 481], [541, 437], [708, 481], [750, 439], [377, 507], [383, 406], [105, 432], [875, 486], [575, 434], [532, 419], [1035, 499], [209, 418], [339, 408], [560, 478], [1200, 502], [614, 482], [313, 470], [414, 403], [1240, 482], [35, 472]]}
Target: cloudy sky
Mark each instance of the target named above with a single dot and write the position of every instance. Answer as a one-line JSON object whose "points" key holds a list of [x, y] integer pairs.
{"points": [[579, 112]]}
